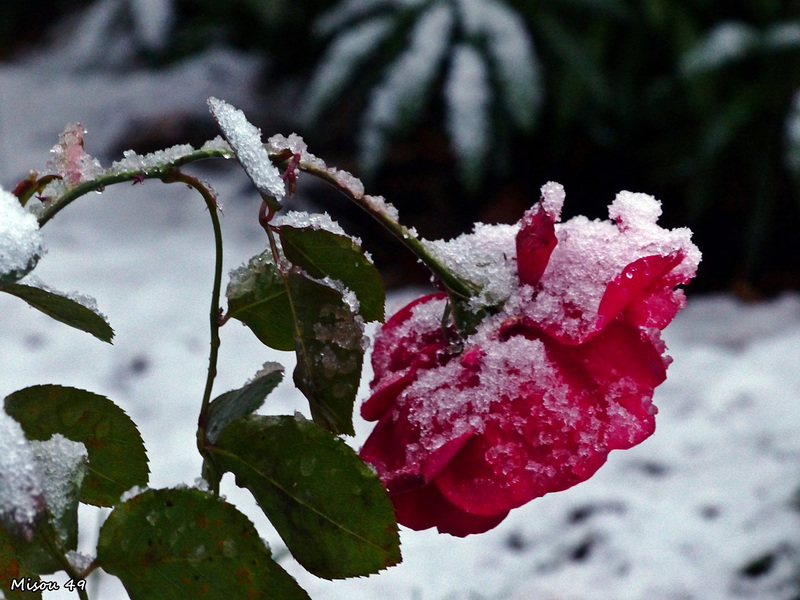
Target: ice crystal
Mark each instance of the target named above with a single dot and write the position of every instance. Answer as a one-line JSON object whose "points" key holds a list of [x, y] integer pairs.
{"points": [[70, 160]]}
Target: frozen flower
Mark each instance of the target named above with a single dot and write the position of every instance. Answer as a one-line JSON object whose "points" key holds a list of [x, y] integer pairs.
{"points": [[560, 373], [70, 160]]}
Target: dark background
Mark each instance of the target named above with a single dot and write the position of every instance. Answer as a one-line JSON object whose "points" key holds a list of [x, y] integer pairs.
{"points": [[621, 111]]}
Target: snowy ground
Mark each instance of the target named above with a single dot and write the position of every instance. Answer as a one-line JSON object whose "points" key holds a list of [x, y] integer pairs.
{"points": [[704, 510]]}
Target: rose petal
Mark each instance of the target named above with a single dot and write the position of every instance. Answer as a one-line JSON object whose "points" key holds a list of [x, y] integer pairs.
{"points": [[535, 243], [426, 507], [638, 280]]}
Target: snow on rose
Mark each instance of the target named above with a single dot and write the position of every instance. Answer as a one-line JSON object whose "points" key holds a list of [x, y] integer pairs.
{"points": [[560, 372]]}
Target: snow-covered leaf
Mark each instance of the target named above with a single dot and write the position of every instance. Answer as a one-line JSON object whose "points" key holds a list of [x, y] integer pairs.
{"points": [[468, 95], [62, 464], [783, 36], [349, 11], [21, 242], [316, 319], [322, 253], [117, 457], [329, 343], [257, 297], [327, 505], [235, 404], [245, 140], [39, 488], [153, 20], [79, 312]]}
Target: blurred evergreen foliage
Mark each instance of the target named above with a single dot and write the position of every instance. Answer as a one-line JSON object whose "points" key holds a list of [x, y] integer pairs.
{"points": [[23, 23], [694, 101], [280, 27]]}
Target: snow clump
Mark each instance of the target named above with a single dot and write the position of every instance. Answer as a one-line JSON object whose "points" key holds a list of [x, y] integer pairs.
{"points": [[245, 139], [20, 239], [21, 493]]}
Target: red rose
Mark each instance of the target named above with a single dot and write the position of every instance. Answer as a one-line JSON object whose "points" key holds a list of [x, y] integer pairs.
{"points": [[547, 386]]}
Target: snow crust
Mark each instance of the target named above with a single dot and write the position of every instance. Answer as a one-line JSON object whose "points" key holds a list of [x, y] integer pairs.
{"points": [[301, 219], [21, 242], [245, 139], [131, 161], [589, 255]]}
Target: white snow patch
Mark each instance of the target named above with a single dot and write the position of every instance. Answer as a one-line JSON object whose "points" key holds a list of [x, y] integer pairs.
{"points": [[245, 139], [131, 161], [484, 257], [62, 463], [301, 219], [21, 486], [21, 242]]}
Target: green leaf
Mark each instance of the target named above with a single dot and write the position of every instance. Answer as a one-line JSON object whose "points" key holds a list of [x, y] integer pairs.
{"points": [[63, 309], [239, 403], [184, 543], [13, 568], [258, 298], [117, 457], [34, 555], [329, 352], [322, 253], [292, 311], [328, 506]]}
